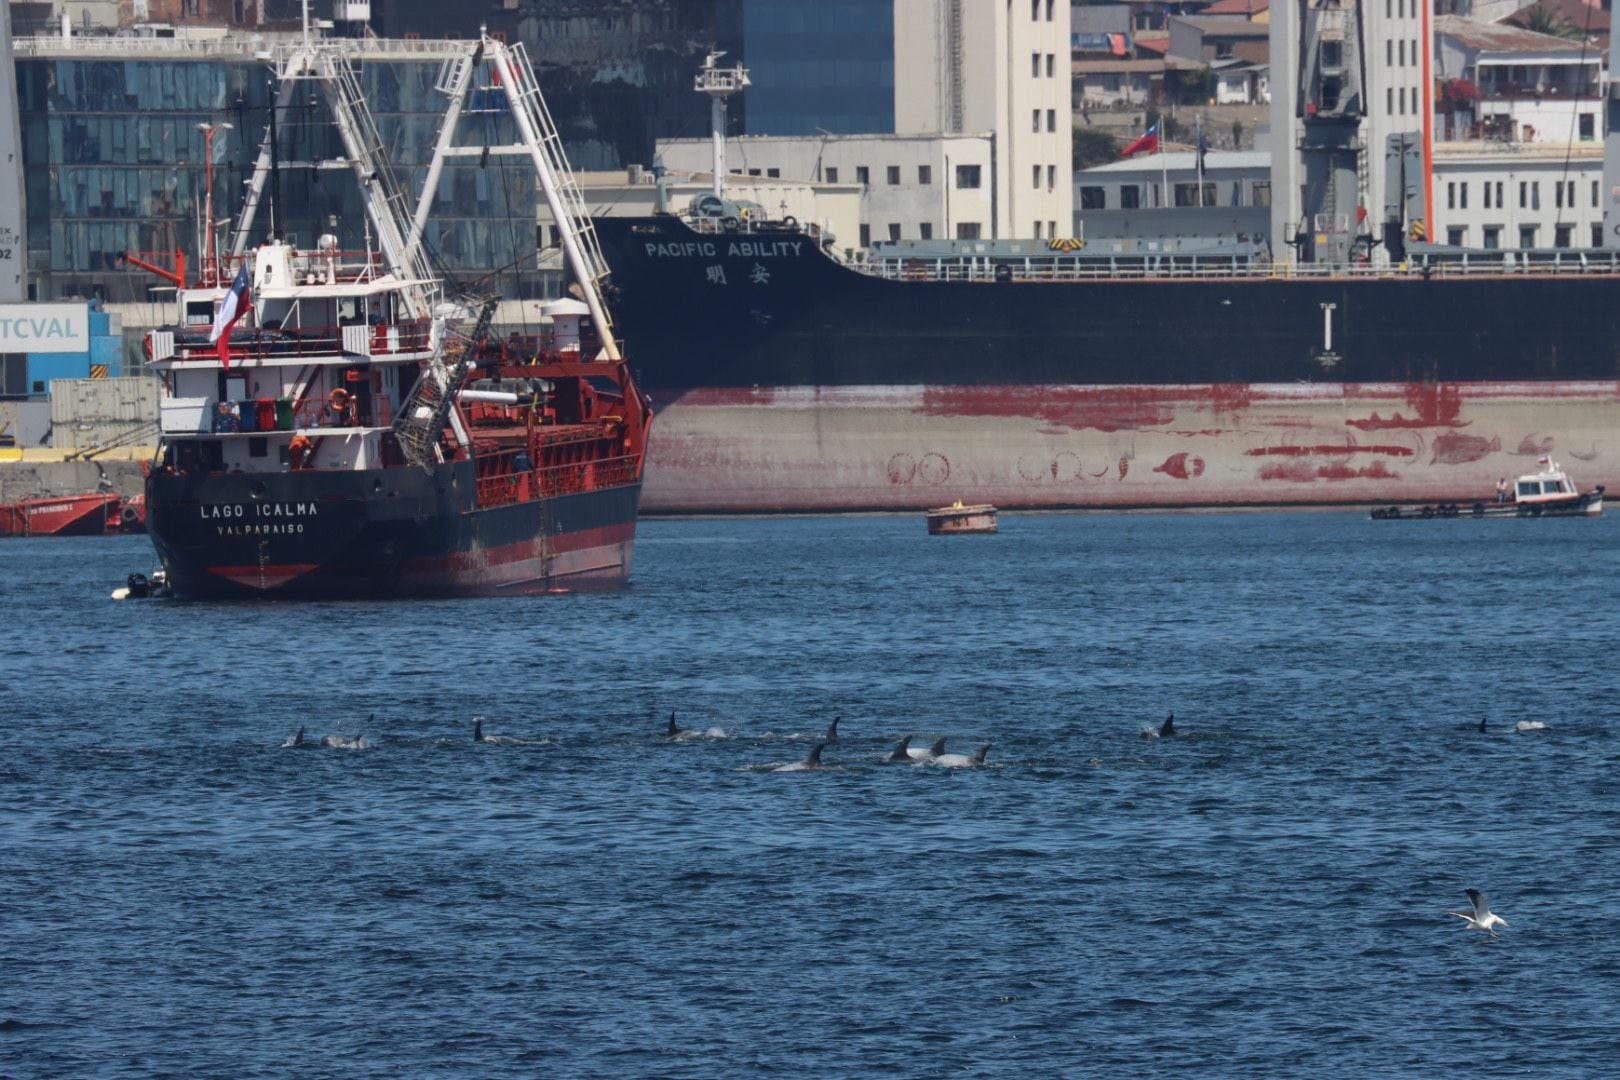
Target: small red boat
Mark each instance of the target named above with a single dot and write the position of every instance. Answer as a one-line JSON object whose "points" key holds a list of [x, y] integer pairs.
{"points": [[68, 515]]}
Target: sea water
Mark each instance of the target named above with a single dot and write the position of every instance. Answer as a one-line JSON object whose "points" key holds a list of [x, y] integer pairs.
{"points": [[182, 894]]}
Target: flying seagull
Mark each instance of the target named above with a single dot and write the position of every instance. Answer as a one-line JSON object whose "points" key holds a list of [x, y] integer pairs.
{"points": [[1482, 917]]}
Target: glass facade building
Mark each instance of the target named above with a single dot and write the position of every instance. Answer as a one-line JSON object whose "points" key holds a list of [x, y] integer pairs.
{"points": [[114, 162], [818, 66]]}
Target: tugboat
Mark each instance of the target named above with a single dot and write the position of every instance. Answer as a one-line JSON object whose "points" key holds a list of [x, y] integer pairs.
{"points": [[328, 431], [1547, 493]]}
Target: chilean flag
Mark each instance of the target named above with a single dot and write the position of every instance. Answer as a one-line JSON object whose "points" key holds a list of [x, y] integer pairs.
{"points": [[1149, 141], [230, 309]]}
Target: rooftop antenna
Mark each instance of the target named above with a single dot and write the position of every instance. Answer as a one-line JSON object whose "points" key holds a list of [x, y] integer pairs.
{"points": [[719, 83]]}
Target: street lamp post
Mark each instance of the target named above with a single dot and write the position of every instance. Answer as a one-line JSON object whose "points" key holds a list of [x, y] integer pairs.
{"points": [[211, 271]]}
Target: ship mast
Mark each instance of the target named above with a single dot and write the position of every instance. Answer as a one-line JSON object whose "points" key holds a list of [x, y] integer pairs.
{"points": [[1330, 103], [719, 83]]}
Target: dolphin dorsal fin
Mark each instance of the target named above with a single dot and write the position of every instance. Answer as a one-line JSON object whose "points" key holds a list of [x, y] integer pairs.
{"points": [[1169, 725], [815, 755], [983, 750], [899, 752], [1482, 725], [478, 729], [672, 728], [832, 728], [938, 748]]}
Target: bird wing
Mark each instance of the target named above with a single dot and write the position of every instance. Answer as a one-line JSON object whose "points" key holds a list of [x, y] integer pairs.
{"points": [[1481, 907]]}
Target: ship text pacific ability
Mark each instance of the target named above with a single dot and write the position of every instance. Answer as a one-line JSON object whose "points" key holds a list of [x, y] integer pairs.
{"points": [[734, 249]]}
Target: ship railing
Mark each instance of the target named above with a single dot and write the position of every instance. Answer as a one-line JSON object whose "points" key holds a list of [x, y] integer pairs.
{"points": [[749, 226], [309, 343], [344, 267], [263, 416], [1472, 264], [555, 480]]}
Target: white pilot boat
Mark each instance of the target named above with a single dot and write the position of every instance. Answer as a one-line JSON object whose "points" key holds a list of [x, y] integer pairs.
{"points": [[1546, 493]]}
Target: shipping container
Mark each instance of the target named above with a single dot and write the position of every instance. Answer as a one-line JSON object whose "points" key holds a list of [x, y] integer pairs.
{"points": [[87, 413]]}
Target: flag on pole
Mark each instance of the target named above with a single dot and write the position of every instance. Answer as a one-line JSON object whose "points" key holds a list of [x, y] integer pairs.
{"points": [[1148, 143], [230, 309], [1203, 147]]}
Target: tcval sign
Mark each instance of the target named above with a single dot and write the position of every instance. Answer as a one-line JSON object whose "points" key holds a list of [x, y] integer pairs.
{"points": [[44, 328]]}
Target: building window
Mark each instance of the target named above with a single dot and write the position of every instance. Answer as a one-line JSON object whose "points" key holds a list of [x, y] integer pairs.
{"points": [[894, 174], [1451, 196], [1402, 61], [967, 230], [1262, 193], [1401, 99], [776, 173], [1562, 235], [832, 174], [1499, 201], [1558, 194], [753, 172], [1493, 237], [1051, 119], [1051, 65], [1051, 178], [1035, 120], [1389, 52], [1535, 194], [1189, 195], [1527, 236], [866, 235], [1462, 195], [1051, 229], [1487, 189], [1587, 131], [926, 230], [894, 231], [1034, 10], [1457, 235], [1389, 100], [1597, 234], [1037, 230], [1035, 177], [925, 174], [1130, 197], [863, 175], [1034, 65], [188, 7], [1093, 198], [1596, 201], [1523, 187], [967, 176], [1048, 10]]}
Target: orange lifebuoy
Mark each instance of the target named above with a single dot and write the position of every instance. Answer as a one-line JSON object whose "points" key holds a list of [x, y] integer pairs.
{"points": [[339, 399]]}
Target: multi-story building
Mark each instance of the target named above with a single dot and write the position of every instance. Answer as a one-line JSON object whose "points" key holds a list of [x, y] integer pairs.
{"points": [[913, 187], [1001, 68]]}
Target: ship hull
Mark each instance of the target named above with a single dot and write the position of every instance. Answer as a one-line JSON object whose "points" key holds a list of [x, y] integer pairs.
{"points": [[381, 534], [787, 382]]}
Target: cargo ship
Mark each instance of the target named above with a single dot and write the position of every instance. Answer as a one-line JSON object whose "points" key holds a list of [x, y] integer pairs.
{"points": [[332, 428], [789, 380], [1363, 369]]}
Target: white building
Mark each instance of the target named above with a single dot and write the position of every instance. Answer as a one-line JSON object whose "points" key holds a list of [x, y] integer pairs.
{"points": [[912, 187], [1002, 68], [1534, 196]]}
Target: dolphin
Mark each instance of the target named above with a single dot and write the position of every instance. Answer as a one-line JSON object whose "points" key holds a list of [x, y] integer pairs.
{"points": [[961, 761], [478, 729], [675, 731], [1166, 730], [1482, 725], [341, 742], [904, 754], [296, 741], [811, 762], [832, 730]]}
